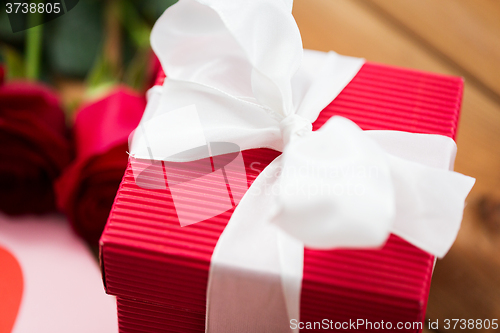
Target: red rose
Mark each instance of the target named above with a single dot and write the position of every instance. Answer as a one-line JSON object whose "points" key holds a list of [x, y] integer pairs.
{"points": [[86, 190], [34, 147]]}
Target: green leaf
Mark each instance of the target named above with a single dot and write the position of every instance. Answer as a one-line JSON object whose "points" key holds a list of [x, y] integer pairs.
{"points": [[137, 71], [6, 34], [103, 74], [15, 67], [152, 9], [136, 27], [74, 39]]}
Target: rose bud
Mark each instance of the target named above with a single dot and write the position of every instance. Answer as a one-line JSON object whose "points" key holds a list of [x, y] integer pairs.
{"points": [[86, 190]]}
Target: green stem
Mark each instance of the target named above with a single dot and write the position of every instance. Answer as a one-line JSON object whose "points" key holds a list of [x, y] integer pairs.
{"points": [[105, 72], [34, 46]]}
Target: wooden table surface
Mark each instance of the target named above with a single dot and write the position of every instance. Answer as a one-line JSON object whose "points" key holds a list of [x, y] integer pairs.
{"points": [[456, 37]]}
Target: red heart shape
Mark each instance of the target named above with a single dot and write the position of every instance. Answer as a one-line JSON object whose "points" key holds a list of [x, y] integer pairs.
{"points": [[11, 290]]}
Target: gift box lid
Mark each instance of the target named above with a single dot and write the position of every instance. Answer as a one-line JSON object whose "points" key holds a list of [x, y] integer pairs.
{"points": [[147, 256]]}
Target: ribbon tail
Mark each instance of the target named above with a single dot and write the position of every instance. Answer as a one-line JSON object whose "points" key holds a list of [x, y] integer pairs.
{"points": [[291, 252], [253, 285], [429, 204]]}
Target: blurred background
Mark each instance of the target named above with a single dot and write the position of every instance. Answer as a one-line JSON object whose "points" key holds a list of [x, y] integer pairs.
{"points": [[96, 43], [100, 44]]}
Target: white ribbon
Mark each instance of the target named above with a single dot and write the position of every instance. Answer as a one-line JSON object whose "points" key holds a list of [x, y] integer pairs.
{"points": [[236, 73]]}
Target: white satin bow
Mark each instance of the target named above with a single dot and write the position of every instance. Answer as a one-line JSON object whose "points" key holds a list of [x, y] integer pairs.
{"points": [[236, 72], [344, 187]]}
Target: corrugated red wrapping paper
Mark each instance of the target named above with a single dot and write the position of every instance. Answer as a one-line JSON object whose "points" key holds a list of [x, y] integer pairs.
{"points": [[159, 270]]}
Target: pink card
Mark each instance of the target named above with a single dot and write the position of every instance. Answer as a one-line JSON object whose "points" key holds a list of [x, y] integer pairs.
{"points": [[49, 281]]}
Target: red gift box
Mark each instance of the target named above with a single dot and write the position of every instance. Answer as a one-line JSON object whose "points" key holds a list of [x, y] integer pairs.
{"points": [[159, 270]]}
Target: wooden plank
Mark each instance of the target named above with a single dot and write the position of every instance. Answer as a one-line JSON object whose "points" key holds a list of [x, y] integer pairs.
{"points": [[466, 32], [465, 283], [475, 277], [348, 28]]}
